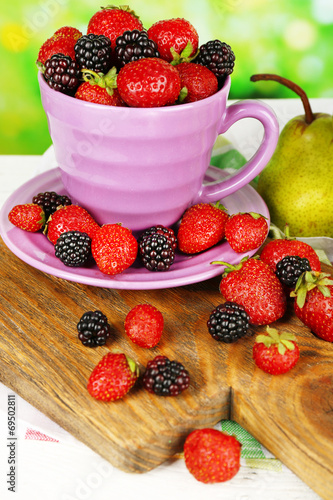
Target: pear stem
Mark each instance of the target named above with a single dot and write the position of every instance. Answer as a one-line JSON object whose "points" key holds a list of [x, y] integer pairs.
{"points": [[309, 116]]}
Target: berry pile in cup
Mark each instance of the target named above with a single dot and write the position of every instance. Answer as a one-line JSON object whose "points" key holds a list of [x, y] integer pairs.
{"points": [[119, 62]]}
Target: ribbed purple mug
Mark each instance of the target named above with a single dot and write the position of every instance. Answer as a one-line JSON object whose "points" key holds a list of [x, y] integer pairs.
{"points": [[145, 166]]}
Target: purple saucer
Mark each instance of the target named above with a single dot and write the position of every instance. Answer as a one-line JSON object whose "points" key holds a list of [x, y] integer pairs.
{"points": [[36, 250]]}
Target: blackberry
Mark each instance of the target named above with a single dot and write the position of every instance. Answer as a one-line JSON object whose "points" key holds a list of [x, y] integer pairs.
{"points": [[93, 328], [62, 73], [164, 231], [93, 52], [165, 378], [50, 201], [289, 269], [134, 45], [73, 248], [228, 322], [218, 57], [156, 252]]}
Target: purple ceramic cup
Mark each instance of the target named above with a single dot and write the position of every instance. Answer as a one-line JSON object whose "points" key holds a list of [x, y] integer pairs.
{"points": [[144, 166]]}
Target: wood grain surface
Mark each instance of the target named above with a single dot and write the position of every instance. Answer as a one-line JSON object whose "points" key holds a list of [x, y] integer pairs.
{"points": [[45, 363]]}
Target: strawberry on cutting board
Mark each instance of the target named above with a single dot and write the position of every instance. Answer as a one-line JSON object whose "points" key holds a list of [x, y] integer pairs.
{"points": [[201, 227], [112, 377], [29, 217], [144, 325], [254, 285], [212, 456], [246, 231], [275, 352]]}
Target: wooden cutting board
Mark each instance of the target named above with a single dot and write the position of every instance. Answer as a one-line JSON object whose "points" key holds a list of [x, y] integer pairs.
{"points": [[45, 363]]}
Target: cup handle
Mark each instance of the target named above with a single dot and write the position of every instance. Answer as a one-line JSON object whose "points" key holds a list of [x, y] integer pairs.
{"points": [[213, 192]]}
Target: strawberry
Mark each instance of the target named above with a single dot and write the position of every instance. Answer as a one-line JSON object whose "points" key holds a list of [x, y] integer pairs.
{"points": [[173, 34], [275, 250], [112, 377], [100, 88], [314, 303], [62, 42], [201, 227], [112, 21], [275, 352], [197, 80], [253, 284], [246, 231], [144, 325], [212, 456], [114, 248], [148, 83], [29, 217], [70, 218]]}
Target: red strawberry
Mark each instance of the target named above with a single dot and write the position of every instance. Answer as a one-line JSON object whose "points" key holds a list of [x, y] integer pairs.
{"points": [[112, 377], [314, 303], [148, 83], [29, 217], [253, 284], [144, 325], [62, 42], [275, 250], [201, 227], [100, 88], [70, 218], [198, 81], [212, 456], [114, 248], [276, 352], [173, 33], [246, 231], [113, 21]]}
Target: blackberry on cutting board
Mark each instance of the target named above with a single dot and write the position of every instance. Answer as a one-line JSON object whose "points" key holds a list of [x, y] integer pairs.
{"points": [[228, 322], [73, 248], [165, 378], [50, 201], [290, 268], [134, 45], [93, 52], [62, 73], [93, 329], [156, 252], [218, 57]]}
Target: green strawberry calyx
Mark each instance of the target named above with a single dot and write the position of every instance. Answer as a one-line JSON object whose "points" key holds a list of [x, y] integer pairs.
{"points": [[283, 340], [107, 82], [230, 267], [125, 8], [308, 281], [255, 215], [132, 365], [184, 56]]}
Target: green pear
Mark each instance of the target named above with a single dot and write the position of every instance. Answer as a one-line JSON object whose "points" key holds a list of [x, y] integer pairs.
{"points": [[297, 183]]}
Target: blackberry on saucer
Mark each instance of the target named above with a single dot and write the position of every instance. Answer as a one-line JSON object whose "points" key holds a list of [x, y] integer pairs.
{"points": [[134, 45], [228, 322], [62, 73], [73, 248], [50, 201], [93, 329], [290, 268], [165, 378], [93, 52], [218, 57], [156, 252], [164, 231]]}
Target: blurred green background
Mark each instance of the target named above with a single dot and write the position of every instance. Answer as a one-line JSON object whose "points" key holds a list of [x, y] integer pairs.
{"points": [[292, 38]]}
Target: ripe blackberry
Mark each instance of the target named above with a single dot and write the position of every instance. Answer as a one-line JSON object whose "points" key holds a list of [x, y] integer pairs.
{"points": [[164, 231], [165, 378], [134, 45], [93, 52], [50, 201], [228, 322], [218, 57], [93, 328], [73, 248], [62, 73], [156, 252], [289, 269]]}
